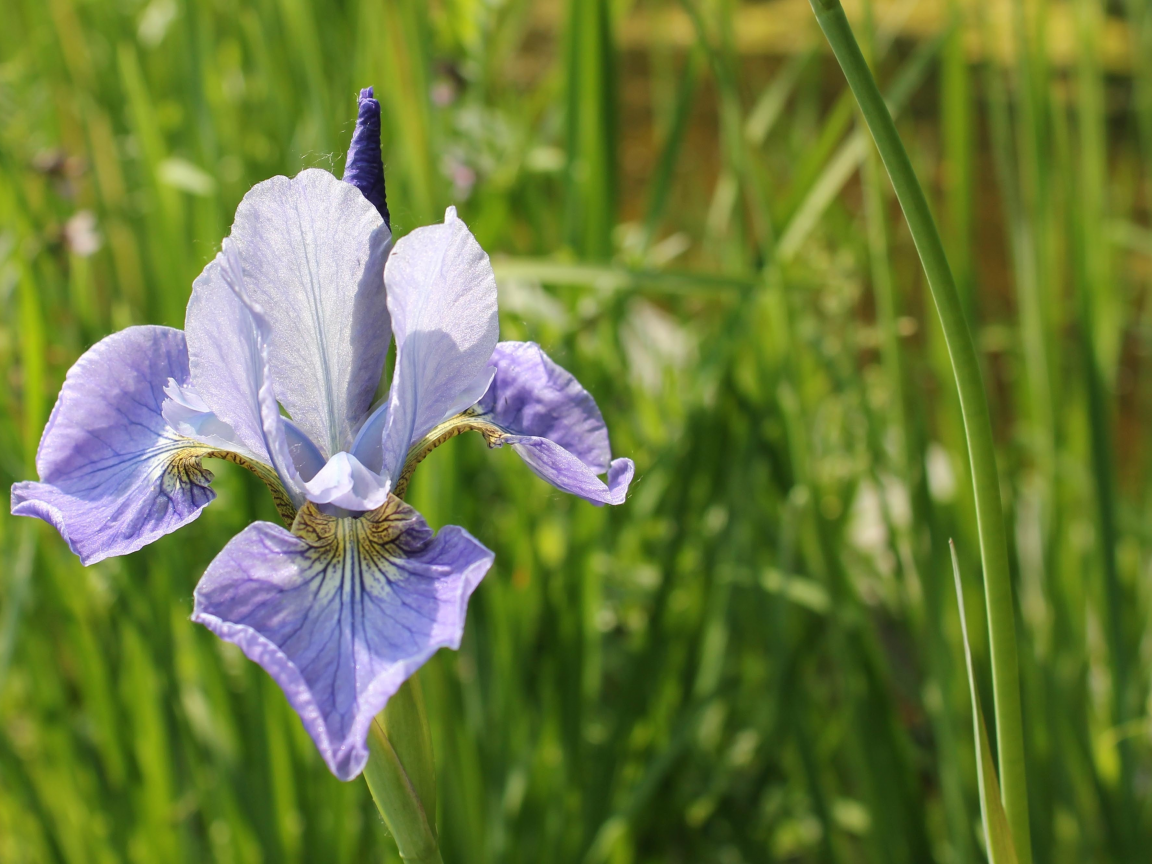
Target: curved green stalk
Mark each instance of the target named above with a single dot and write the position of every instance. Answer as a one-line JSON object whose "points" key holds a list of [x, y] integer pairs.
{"points": [[401, 774], [974, 405]]}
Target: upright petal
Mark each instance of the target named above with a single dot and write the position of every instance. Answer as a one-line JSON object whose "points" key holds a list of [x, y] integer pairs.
{"points": [[342, 611], [442, 296], [553, 423], [364, 167], [230, 359], [312, 250], [223, 351], [114, 477]]}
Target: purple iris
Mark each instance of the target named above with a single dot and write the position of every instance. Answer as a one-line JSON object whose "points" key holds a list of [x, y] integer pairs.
{"points": [[284, 344]]}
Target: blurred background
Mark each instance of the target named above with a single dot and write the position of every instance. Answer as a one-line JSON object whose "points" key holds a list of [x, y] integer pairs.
{"points": [[757, 658]]}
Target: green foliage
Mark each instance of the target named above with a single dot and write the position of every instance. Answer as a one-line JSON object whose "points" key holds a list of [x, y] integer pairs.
{"points": [[997, 832], [756, 658]]}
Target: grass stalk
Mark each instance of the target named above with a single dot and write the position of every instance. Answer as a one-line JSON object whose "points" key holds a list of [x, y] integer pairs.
{"points": [[978, 427]]}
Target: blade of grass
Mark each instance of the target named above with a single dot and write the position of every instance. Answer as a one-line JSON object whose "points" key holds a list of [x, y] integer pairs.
{"points": [[591, 180], [997, 834], [978, 426], [847, 159]]}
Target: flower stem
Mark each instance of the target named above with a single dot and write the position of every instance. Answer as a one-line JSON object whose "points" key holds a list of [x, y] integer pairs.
{"points": [[401, 774], [974, 406]]}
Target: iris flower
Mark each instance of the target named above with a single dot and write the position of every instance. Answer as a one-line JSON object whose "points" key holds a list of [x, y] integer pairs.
{"points": [[283, 346]]}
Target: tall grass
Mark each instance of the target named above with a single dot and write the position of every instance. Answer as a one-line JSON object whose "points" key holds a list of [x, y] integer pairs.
{"points": [[757, 658]]}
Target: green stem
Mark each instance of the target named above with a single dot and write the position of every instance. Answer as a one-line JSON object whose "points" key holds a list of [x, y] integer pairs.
{"points": [[401, 774], [974, 405]]}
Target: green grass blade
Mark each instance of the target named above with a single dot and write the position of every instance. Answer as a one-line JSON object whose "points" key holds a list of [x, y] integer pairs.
{"points": [[997, 833]]}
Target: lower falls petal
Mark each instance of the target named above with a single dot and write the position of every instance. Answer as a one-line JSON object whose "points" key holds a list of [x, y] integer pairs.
{"points": [[341, 611], [113, 475]]}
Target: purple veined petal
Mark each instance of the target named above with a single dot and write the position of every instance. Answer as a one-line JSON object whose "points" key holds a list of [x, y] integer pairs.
{"points": [[442, 296], [552, 463], [343, 482], [532, 395], [113, 476], [341, 615], [364, 167], [552, 423], [313, 250]]}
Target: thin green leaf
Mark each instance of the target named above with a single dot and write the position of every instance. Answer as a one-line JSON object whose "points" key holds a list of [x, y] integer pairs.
{"points": [[997, 835]]}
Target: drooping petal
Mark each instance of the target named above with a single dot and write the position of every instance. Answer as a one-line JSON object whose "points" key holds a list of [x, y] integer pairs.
{"points": [[551, 462], [442, 296], [532, 395], [113, 475], [343, 613], [343, 482], [364, 167], [313, 250], [552, 423]]}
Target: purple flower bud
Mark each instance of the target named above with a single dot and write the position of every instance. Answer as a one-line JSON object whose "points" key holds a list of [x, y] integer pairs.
{"points": [[364, 167]]}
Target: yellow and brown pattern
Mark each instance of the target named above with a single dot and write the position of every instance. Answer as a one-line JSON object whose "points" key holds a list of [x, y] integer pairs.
{"points": [[185, 468], [392, 530]]}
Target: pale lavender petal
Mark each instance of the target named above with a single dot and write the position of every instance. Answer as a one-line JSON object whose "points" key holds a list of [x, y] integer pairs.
{"points": [[347, 484], [230, 358], [364, 167], [341, 615], [188, 415], [306, 456], [532, 395], [368, 445], [223, 354], [114, 477], [551, 462], [442, 296], [313, 251]]}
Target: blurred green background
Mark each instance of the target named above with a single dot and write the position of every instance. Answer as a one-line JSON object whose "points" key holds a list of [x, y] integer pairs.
{"points": [[757, 657]]}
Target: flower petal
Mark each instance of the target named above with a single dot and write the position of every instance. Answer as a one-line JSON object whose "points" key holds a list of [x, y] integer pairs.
{"points": [[442, 296], [552, 423], [343, 613], [230, 358], [313, 251], [551, 462], [532, 395], [364, 167], [188, 415], [343, 482], [223, 353], [114, 476]]}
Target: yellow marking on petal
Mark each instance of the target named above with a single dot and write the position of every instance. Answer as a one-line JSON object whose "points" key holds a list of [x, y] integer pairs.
{"points": [[184, 468], [373, 538]]}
